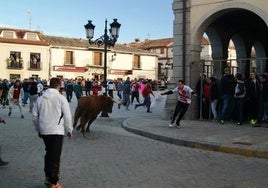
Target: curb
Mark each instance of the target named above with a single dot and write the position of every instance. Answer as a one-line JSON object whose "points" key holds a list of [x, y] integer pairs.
{"points": [[197, 144]]}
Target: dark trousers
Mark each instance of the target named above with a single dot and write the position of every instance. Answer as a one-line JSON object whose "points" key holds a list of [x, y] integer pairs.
{"points": [[180, 108], [69, 95], [146, 102], [111, 93], [263, 111], [53, 148], [136, 95], [239, 109]]}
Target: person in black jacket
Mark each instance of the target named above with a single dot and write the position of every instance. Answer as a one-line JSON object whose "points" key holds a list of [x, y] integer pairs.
{"points": [[69, 90], [33, 94], [26, 88], [227, 86], [253, 97], [263, 99]]}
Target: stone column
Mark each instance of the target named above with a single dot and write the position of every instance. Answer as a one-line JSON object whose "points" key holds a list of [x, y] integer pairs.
{"points": [[181, 69]]}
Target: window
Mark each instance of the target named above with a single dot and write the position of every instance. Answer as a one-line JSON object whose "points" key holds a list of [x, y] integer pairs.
{"points": [[162, 51], [69, 58], [15, 60], [32, 36], [97, 58], [8, 34], [136, 63], [35, 60], [14, 76]]}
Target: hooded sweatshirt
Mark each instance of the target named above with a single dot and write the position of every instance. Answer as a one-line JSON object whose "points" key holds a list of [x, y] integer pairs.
{"points": [[51, 113]]}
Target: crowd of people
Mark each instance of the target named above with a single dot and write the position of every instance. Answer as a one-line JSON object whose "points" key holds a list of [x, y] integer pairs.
{"points": [[238, 98], [231, 98]]}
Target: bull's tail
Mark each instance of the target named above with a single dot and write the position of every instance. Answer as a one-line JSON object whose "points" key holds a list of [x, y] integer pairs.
{"points": [[76, 117]]}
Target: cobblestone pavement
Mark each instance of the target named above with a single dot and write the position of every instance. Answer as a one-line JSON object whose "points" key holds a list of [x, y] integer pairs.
{"points": [[111, 157]]}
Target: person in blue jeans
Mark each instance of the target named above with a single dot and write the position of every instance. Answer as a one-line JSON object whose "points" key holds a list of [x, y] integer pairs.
{"points": [[26, 88], [146, 92], [227, 88]]}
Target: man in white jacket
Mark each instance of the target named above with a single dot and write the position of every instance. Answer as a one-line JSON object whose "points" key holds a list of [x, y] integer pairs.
{"points": [[51, 116]]}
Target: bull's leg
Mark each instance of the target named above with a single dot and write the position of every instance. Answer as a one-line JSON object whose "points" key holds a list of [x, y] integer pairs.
{"points": [[90, 121], [88, 125], [83, 122], [78, 127], [76, 117]]}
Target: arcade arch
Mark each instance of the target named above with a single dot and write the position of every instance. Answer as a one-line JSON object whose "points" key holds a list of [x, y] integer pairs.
{"points": [[247, 31], [243, 22]]}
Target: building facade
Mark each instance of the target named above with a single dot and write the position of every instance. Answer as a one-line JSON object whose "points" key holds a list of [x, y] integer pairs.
{"points": [[27, 54], [244, 22]]}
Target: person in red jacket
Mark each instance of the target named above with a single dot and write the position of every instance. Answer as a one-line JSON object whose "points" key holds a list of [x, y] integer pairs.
{"points": [[146, 92]]}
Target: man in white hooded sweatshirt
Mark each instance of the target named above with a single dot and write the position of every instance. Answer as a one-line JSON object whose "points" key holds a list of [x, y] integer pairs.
{"points": [[51, 116]]}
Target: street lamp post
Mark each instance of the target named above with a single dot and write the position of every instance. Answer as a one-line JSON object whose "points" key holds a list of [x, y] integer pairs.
{"points": [[107, 41]]}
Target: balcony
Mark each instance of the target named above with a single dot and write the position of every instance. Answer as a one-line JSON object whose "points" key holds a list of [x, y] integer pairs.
{"points": [[14, 65]]}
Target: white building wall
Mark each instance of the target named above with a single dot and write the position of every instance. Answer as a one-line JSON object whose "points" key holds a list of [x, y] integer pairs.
{"points": [[121, 62], [25, 50]]}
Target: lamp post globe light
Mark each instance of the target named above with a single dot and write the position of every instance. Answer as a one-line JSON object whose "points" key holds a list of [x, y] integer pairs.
{"points": [[107, 41]]}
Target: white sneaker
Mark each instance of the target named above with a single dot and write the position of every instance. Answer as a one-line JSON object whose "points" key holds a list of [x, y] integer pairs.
{"points": [[170, 125]]}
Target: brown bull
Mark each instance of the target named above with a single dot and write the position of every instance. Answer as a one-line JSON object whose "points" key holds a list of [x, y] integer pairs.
{"points": [[88, 108]]}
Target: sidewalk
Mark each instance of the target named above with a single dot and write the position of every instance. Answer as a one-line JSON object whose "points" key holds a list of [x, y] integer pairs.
{"points": [[229, 138]]}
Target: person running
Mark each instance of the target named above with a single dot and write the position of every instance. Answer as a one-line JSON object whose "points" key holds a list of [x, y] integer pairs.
{"points": [[146, 92], [135, 87], [126, 94], [15, 94], [184, 100]]}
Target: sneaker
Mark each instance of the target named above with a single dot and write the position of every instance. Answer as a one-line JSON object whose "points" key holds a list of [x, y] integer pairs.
{"points": [[56, 186], [22, 117], [149, 112], [3, 163], [221, 121], [9, 113], [2, 121], [170, 125], [177, 124], [252, 122], [136, 106], [238, 123]]}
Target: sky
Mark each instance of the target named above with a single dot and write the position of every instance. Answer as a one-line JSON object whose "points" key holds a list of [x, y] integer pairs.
{"points": [[143, 19]]}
